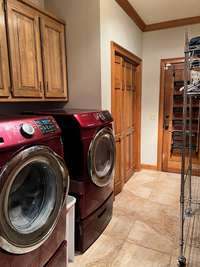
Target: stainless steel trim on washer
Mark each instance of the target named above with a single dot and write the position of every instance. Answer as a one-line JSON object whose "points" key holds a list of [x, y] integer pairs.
{"points": [[12, 240], [105, 180]]}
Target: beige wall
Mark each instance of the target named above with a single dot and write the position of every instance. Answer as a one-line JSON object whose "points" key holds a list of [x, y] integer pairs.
{"points": [[83, 50], [156, 46], [118, 27], [90, 29]]}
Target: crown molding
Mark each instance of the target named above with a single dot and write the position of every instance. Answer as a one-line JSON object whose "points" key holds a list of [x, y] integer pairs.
{"points": [[132, 13], [172, 24]]}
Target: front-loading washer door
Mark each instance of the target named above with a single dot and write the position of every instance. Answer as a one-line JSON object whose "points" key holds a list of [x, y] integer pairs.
{"points": [[33, 187], [101, 157]]}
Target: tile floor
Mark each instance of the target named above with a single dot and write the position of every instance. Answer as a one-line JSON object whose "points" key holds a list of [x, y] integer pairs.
{"points": [[144, 229]]}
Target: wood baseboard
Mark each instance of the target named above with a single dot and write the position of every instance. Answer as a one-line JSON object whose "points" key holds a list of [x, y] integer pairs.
{"points": [[149, 167]]}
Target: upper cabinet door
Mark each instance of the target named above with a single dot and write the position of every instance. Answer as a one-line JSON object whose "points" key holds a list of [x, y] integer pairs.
{"points": [[24, 40], [4, 65], [54, 58]]}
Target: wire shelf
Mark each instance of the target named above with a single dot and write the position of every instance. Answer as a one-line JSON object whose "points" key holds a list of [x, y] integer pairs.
{"points": [[190, 185]]}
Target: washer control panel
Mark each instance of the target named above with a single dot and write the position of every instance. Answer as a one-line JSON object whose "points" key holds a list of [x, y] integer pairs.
{"points": [[46, 125]]}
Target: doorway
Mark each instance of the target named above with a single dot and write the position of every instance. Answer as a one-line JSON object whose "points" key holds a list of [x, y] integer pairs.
{"points": [[171, 117], [126, 111]]}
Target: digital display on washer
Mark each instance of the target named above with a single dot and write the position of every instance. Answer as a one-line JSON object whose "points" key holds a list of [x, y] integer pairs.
{"points": [[46, 126]]}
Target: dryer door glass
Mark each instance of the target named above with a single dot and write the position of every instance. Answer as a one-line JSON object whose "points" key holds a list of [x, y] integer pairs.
{"points": [[102, 157], [35, 185], [32, 197]]}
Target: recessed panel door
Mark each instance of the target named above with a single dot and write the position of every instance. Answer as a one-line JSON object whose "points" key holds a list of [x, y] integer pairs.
{"points": [[24, 40], [129, 100], [54, 58], [117, 107], [123, 111]]}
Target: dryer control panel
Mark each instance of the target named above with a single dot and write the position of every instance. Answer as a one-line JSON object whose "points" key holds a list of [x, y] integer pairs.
{"points": [[46, 125], [105, 116]]}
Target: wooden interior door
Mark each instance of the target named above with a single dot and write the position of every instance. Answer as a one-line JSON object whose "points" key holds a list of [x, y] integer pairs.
{"points": [[24, 40], [123, 101], [54, 58], [117, 107], [128, 118], [173, 119], [4, 65]]}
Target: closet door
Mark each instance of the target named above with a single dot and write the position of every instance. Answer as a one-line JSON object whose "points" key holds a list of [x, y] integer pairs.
{"points": [[24, 40], [117, 104], [4, 66], [54, 58], [128, 118], [123, 107]]}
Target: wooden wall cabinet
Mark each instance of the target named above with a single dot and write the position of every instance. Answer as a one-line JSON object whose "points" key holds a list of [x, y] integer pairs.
{"points": [[25, 51], [37, 54], [54, 58]]}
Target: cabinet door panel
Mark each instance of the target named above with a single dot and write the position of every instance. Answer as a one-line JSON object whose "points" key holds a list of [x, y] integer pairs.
{"points": [[25, 48], [4, 65], [54, 57], [128, 76], [118, 184], [129, 155], [118, 94]]}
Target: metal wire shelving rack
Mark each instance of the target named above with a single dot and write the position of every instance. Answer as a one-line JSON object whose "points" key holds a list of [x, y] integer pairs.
{"points": [[189, 198]]}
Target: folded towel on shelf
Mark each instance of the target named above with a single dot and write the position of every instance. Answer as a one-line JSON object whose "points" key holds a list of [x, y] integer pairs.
{"points": [[195, 64], [194, 46], [192, 87], [189, 86]]}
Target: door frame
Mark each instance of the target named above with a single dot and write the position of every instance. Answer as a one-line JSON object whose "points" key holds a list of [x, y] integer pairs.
{"points": [[163, 62], [117, 49]]}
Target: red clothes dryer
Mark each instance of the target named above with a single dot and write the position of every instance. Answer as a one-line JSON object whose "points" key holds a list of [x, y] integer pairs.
{"points": [[33, 187], [89, 152]]}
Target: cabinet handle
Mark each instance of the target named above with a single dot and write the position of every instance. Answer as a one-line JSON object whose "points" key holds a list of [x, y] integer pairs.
{"points": [[41, 87], [10, 89], [47, 86]]}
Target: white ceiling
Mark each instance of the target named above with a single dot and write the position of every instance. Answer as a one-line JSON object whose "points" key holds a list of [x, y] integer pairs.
{"points": [[154, 11]]}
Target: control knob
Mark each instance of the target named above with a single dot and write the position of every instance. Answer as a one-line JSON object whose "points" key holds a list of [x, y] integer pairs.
{"points": [[27, 130]]}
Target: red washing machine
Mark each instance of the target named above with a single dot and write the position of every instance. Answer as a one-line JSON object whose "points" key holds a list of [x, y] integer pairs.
{"points": [[33, 187], [89, 151]]}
